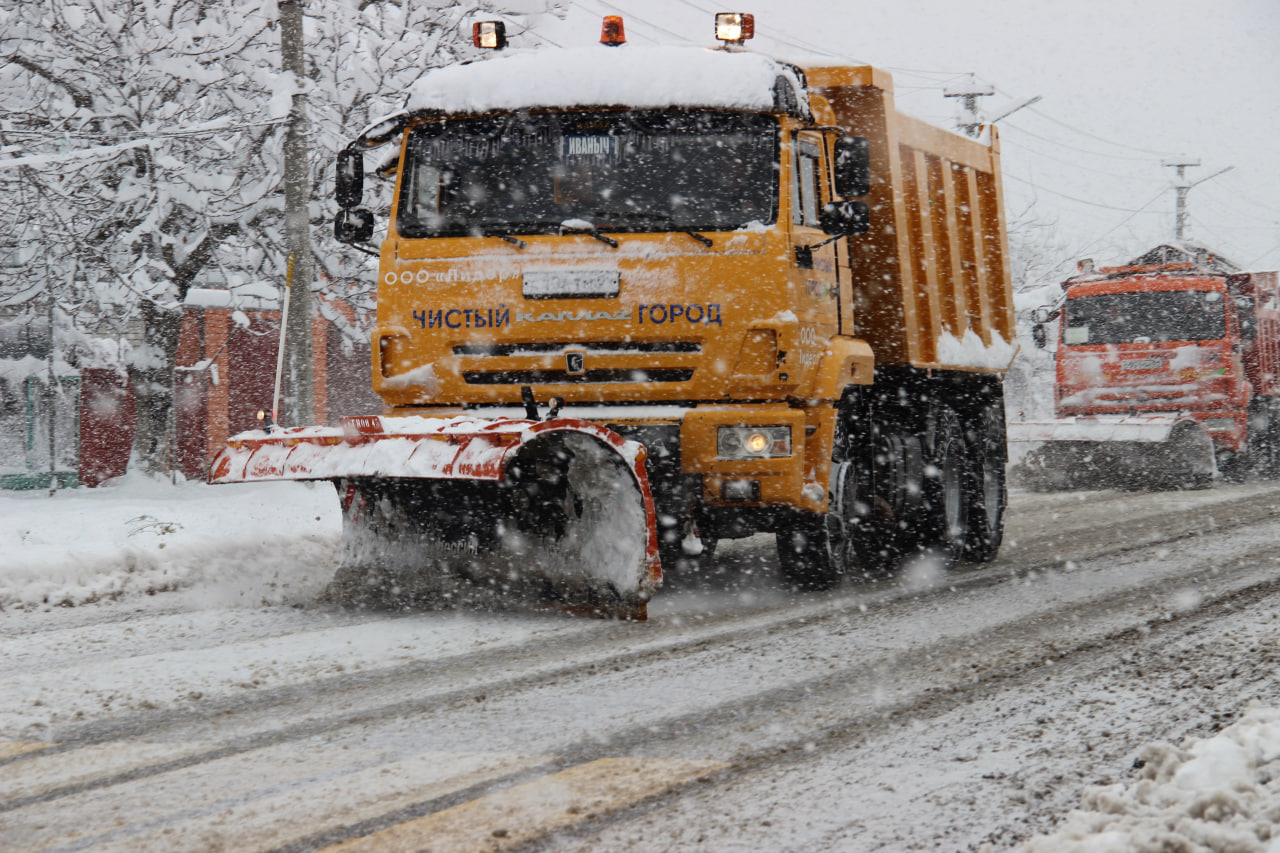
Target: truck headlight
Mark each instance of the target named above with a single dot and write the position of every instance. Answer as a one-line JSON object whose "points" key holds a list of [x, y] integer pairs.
{"points": [[737, 442]]}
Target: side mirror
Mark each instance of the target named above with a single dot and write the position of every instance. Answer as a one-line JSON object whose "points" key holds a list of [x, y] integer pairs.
{"points": [[843, 218], [349, 178], [1039, 336], [1247, 316], [353, 225], [852, 167], [1044, 315]]}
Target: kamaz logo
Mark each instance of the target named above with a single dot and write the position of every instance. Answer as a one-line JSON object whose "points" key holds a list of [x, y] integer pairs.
{"points": [[575, 363]]}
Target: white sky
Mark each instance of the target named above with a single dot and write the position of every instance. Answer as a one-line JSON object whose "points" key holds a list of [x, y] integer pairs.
{"points": [[1124, 85]]}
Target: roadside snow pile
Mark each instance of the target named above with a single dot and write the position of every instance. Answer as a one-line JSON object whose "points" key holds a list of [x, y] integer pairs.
{"points": [[255, 543], [1216, 794]]}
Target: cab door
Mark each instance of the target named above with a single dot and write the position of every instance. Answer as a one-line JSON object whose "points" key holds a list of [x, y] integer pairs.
{"points": [[816, 270]]}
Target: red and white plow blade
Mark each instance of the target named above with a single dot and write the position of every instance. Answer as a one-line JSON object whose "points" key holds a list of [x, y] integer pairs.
{"points": [[1145, 428], [1142, 451], [470, 512]]}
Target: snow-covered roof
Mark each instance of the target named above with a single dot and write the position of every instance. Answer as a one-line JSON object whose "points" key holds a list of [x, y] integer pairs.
{"points": [[256, 296], [1173, 253], [599, 76]]}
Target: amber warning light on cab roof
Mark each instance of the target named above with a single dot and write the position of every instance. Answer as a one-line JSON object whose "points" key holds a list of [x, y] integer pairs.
{"points": [[735, 27], [612, 32]]}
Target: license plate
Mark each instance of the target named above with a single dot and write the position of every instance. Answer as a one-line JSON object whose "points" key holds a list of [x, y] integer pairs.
{"points": [[571, 284], [1143, 364]]}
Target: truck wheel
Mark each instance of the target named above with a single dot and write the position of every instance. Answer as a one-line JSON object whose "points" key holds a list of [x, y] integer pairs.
{"points": [[810, 551], [1188, 459], [1264, 439], [987, 489], [945, 512]]}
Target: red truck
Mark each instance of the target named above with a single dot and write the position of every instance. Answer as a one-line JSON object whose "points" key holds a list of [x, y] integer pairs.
{"points": [[1167, 375]]}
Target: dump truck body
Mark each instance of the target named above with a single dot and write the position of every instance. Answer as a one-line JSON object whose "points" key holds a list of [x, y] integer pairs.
{"points": [[1165, 373], [795, 298]]}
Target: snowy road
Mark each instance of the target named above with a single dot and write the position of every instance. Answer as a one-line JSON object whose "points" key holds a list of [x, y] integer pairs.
{"points": [[929, 712]]}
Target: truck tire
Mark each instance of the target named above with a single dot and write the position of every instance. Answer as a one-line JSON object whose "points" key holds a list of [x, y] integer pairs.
{"points": [[943, 525], [987, 488], [810, 552], [1264, 439], [1186, 460]]}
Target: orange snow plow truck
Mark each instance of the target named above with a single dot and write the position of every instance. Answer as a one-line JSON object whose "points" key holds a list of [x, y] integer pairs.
{"points": [[1167, 374], [633, 301]]}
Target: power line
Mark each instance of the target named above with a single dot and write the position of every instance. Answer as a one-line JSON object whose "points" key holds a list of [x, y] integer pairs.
{"points": [[1006, 140], [1235, 194], [1061, 144], [1123, 222], [1038, 187], [1090, 134], [1254, 263]]}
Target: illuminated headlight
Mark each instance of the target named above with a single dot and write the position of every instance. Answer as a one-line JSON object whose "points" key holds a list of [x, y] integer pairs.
{"points": [[735, 26], [734, 442], [1219, 424]]}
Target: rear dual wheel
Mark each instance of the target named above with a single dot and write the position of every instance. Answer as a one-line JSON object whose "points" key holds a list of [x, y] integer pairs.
{"points": [[815, 550], [944, 525], [931, 497], [987, 490]]}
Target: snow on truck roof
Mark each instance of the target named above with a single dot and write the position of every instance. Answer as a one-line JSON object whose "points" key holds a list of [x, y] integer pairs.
{"points": [[608, 76], [600, 76]]}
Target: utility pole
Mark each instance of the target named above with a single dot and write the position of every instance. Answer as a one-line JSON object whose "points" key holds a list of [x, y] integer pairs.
{"points": [[969, 93], [300, 403], [1183, 186]]}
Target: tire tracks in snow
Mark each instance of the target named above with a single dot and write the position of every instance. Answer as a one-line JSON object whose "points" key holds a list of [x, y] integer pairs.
{"points": [[577, 658]]}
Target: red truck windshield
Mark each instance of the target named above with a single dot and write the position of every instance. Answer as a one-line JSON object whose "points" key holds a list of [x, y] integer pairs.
{"points": [[618, 170], [1162, 315]]}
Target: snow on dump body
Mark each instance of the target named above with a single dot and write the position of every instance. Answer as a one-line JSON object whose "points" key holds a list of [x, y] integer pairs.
{"points": [[607, 76]]}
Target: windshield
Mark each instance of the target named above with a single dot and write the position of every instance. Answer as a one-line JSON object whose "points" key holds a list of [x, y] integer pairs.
{"points": [[618, 171], [1124, 318]]}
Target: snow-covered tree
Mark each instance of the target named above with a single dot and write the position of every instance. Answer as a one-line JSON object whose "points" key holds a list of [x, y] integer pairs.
{"points": [[144, 149]]}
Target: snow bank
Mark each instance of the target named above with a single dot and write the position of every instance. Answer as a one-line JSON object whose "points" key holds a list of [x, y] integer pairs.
{"points": [[1215, 794], [606, 76], [240, 544]]}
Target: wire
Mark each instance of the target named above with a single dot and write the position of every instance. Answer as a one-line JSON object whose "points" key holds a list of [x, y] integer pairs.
{"points": [[777, 35], [1036, 186], [1236, 194], [1090, 135], [1006, 140], [607, 5], [1122, 222], [1097, 138], [1254, 263], [1057, 142]]}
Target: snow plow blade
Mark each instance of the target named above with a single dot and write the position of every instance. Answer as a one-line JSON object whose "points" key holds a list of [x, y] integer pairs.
{"points": [[474, 513], [1152, 451]]}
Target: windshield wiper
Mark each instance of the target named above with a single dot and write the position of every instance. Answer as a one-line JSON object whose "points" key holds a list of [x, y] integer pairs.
{"points": [[515, 241], [582, 226], [504, 230], [655, 219]]}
